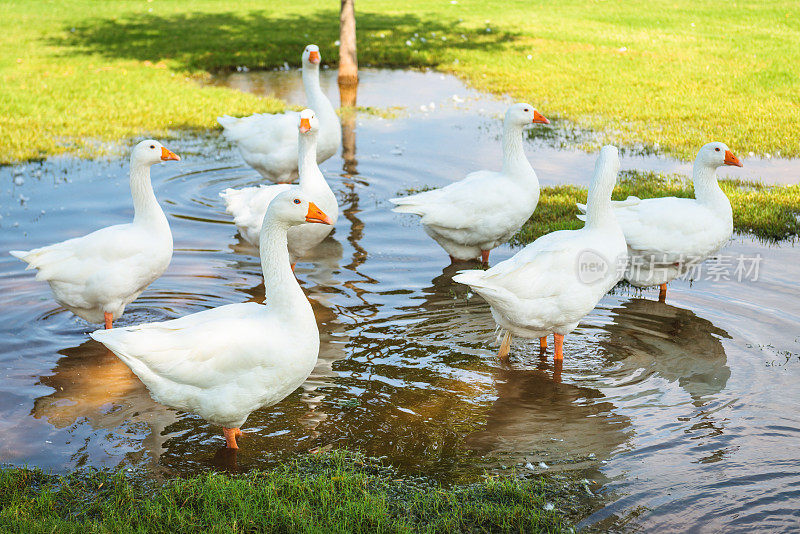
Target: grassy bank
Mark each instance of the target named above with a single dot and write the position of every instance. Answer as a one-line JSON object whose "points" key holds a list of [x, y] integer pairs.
{"points": [[771, 213], [333, 492], [76, 74]]}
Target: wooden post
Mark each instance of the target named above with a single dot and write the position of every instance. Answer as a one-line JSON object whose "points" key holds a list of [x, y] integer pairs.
{"points": [[348, 62], [348, 84]]}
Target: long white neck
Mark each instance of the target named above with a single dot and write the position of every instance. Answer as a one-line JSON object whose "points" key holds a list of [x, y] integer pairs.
{"points": [[311, 178], [317, 99], [706, 187], [146, 209], [598, 205], [284, 295], [514, 161]]}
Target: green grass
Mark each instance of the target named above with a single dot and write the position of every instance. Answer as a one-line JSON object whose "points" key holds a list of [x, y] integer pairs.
{"points": [[331, 492], [75, 75], [771, 213]]}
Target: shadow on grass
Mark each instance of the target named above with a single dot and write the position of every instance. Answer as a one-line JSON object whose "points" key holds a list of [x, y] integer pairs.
{"points": [[261, 39]]}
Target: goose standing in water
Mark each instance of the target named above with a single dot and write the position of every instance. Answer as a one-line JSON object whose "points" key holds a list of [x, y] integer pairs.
{"points": [[248, 205], [97, 275], [666, 236], [224, 363], [471, 217], [268, 142], [551, 284]]}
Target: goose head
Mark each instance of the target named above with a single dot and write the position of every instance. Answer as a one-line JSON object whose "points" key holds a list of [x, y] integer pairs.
{"points": [[311, 55], [149, 152], [294, 207], [716, 155], [522, 114], [309, 123]]}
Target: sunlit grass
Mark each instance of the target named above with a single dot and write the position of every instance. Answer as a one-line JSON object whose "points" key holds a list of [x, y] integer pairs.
{"points": [[76, 74], [771, 213], [334, 492]]}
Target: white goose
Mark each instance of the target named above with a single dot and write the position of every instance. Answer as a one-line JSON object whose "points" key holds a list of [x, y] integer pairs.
{"points": [[249, 205], [226, 362], [97, 275], [470, 217], [666, 236], [268, 142], [551, 284]]}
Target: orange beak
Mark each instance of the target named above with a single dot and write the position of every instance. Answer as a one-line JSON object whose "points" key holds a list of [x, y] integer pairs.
{"points": [[167, 154], [316, 215], [305, 124], [538, 117], [730, 159], [313, 56]]}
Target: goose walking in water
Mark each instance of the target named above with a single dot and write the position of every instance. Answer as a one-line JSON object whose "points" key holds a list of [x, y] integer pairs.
{"points": [[97, 275], [551, 284], [666, 236], [268, 142], [224, 363], [248, 205], [471, 217]]}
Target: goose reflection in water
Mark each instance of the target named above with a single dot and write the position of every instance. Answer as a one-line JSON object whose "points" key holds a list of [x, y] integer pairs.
{"points": [[92, 386], [536, 418], [442, 310], [670, 342]]}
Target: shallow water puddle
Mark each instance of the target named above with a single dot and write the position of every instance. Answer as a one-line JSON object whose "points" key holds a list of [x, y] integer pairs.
{"points": [[684, 412]]}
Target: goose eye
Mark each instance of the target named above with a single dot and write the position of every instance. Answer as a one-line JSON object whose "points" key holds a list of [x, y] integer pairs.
{"points": [[526, 110], [717, 149], [297, 201], [153, 146]]}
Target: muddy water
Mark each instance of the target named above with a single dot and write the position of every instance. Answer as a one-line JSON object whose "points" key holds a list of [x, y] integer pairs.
{"points": [[679, 414]]}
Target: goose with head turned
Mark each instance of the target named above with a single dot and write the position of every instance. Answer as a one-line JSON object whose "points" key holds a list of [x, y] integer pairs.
{"points": [[97, 275], [667, 236], [268, 142], [470, 217], [551, 284], [226, 362], [248, 205]]}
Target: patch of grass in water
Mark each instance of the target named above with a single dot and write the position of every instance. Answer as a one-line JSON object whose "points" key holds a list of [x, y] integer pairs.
{"points": [[771, 213], [330, 492]]}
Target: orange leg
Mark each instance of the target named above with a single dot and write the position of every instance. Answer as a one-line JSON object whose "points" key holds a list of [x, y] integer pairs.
{"points": [[543, 343], [662, 293], [230, 436], [559, 343], [485, 257], [293, 266], [109, 319]]}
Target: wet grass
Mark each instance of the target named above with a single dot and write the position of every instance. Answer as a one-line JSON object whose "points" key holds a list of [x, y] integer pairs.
{"points": [[771, 213], [330, 492], [75, 74]]}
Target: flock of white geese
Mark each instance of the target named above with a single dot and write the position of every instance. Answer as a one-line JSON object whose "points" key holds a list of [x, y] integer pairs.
{"points": [[226, 362]]}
